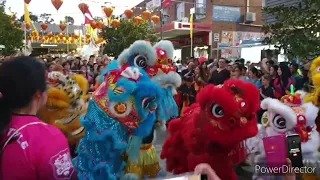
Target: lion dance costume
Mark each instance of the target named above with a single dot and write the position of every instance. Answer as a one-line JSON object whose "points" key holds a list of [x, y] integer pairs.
{"points": [[163, 74], [213, 129], [67, 97], [289, 116], [120, 114]]}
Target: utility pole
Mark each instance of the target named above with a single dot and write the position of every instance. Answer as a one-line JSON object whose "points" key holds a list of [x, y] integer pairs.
{"points": [[161, 20]]}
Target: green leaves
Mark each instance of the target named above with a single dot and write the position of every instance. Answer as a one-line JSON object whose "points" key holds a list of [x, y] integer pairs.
{"points": [[297, 28], [11, 35], [128, 32]]}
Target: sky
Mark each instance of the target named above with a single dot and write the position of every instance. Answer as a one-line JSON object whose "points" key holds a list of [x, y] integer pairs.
{"points": [[70, 8]]}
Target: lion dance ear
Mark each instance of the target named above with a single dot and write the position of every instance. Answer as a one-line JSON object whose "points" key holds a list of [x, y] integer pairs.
{"points": [[82, 83]]}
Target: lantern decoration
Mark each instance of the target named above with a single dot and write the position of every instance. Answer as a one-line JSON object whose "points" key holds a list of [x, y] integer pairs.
{"points": [[27, 26], [115, 23], [57, 4], [50, 35], [61, 35], [83, 7], [108, 11], [155, 19], [138, 20], [44, 27], [99, 25], [34, 33], [27, 1], [93, 25], [128, 13], [146, 15], [62, 27], [75, 36]]}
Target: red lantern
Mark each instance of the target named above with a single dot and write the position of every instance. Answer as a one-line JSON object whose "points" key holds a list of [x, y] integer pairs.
{"points": [[57, 4], [93, 25], [27, 26], [128, 13], [34, 34], [100, 25], [27, 1], [61, 35], [138, 20], [146, 15], [155, 19], [44, 27], [108, 11], [62, 27], [115, 23], [75, 36], [50, 35], [83, 7]]}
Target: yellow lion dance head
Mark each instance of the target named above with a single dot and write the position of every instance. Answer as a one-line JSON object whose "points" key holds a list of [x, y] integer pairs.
{"points": [[67, 101]]}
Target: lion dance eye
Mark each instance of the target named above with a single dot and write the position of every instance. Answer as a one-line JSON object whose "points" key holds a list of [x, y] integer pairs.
{"points": [[279, 122], [217, 111], [140, 61]]}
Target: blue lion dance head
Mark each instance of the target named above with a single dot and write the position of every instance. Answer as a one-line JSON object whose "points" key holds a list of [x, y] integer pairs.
{"points": [[123, 106]]}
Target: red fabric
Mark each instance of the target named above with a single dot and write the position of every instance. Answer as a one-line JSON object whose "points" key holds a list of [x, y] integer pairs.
{"points": [[88, 18], [202, 60], [201, 136]]}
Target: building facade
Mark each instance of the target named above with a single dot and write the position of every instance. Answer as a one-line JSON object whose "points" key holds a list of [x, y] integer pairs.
{"points": [[217, 24]]}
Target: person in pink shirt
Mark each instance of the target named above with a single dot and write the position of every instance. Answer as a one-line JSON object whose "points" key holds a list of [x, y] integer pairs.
{"points": [[29, 148]]}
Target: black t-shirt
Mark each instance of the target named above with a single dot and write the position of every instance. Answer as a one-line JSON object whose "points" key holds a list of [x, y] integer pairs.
{"points": [[269, 92], [185, 71], [218, 77]]}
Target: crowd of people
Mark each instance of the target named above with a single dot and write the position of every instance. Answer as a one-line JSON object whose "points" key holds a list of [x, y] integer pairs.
{"points": [[274, 80], [23, 92]]}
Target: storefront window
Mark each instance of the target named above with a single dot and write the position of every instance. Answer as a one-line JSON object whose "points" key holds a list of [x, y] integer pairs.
{"points": [[201, 9], [180, 11]]}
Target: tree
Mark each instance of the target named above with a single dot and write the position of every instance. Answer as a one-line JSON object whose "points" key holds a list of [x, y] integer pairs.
{"points": [[69, 19], [97, 18], [296, 30], [46, 18], [33, 18], [122, 37], [11, 35]]}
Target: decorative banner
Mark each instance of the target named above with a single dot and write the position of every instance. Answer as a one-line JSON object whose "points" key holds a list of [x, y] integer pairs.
{"points": [[128, 13], [57, 4]]}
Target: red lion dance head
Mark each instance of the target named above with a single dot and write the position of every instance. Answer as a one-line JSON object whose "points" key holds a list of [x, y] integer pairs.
{"points": [[213, 129]]}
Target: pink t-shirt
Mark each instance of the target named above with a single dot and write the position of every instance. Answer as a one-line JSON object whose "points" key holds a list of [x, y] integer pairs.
{"points": [[39, 151]]}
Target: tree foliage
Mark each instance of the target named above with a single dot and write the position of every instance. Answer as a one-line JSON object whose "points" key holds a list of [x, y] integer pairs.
{"points": [[32, 16], [69, 19], [297, 28], [45, 18], [11, 35], [122, 37]]}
